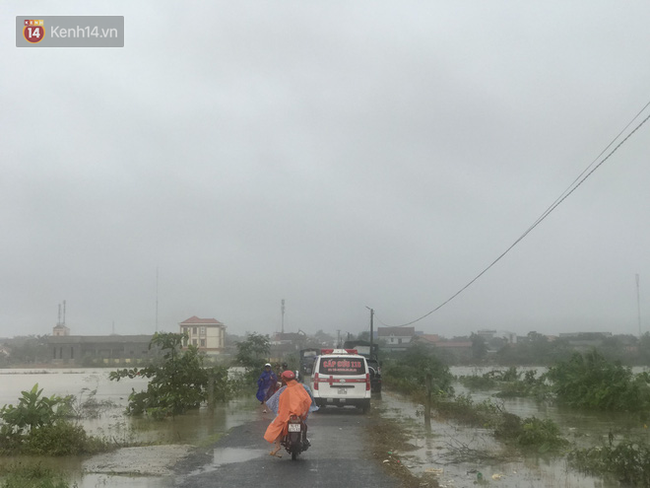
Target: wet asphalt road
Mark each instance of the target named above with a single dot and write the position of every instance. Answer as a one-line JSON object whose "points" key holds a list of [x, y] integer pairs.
{"points": [[338, 457]]}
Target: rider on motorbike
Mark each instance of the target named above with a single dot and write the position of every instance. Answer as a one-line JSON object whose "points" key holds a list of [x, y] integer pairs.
{"points": [[294, 400]]}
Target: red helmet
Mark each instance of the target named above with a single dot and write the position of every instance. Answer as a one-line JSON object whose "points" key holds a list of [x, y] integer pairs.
{"points": [[288, 375]]}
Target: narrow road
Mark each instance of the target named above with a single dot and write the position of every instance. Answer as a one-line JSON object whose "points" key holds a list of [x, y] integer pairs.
{"points": [[338, 457]]}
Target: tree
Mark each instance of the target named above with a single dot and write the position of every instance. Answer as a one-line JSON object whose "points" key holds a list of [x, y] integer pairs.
{"points": [[479, 348], [364, 336], [420, 373], [253, 352], [644, 349], [323, 338], [179, 382]]}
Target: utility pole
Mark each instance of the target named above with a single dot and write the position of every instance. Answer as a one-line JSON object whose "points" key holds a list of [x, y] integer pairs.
{"points": [[156, 298], [372, 314], [282, 308], [638, 303]]}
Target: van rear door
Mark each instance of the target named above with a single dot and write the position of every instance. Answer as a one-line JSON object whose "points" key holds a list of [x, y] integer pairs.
{"points": [[342, 377]]}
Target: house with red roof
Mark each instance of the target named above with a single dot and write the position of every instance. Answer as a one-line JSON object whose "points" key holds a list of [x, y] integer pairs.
{"points": [[209, 335]]}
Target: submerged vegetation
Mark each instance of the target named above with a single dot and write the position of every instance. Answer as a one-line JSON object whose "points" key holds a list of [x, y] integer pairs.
{"points": [[509, 383], [40, 425], [628, 461], [178, 382], [590, 381], [587, 381], [584, 381], [416, 368], [420, 367]]}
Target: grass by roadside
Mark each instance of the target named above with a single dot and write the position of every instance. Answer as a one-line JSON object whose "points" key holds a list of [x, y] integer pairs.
{"points": [[389, 440], [32, 475]]}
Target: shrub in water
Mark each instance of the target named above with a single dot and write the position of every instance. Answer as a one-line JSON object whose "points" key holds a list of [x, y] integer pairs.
{"points": [[541, 434], [590, 381], [629, 461], [38, 425], [178, 383], [59, 439]]}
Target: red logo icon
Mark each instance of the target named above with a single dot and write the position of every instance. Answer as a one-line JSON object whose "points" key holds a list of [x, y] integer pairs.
{"points": [[33, 30]]}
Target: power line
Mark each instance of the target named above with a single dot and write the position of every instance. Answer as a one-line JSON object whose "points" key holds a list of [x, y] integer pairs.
{"points": [[586, 173]]}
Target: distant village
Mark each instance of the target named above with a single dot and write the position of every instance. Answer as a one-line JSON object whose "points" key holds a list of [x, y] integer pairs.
{"points": [[63, 348]]}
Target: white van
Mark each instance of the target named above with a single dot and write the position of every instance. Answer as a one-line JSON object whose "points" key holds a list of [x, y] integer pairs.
{"points": [[340, 377]]}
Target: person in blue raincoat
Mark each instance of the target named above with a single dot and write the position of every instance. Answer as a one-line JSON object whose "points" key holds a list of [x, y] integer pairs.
{"points": [[266, 384]]}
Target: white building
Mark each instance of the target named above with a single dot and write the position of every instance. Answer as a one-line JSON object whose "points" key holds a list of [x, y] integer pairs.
{"points": [[209, 335], [396, 338]]}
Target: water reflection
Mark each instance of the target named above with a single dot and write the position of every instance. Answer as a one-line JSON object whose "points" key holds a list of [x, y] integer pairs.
{"points": [[231, 455]]}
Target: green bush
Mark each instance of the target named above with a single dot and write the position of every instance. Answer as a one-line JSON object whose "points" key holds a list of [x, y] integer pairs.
{"points": [[34, 410], [416, 371], [178, 383], [38, 425], [542, 434], [32, 476], [628, 461], [590, 381], [474, 382], [60, 439]]}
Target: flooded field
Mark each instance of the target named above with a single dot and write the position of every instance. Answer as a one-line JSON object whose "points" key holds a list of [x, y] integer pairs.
{"points": [[457, 456], [462, 456], [133, 467]]}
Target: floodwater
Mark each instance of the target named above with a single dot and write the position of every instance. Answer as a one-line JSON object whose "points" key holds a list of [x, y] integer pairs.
{"points": [[457, 456], [134, 467], [462, 456]]}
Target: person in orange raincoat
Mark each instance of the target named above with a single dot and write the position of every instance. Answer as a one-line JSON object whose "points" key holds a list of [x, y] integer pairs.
{"points": [[294, 400]]}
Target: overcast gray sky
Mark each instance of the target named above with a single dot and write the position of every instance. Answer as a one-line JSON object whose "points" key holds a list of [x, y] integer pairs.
{"points": [[338, 155]]}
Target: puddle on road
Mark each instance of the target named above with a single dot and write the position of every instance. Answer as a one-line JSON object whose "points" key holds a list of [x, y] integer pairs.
{"points": [[96, 480], [231, 455]]}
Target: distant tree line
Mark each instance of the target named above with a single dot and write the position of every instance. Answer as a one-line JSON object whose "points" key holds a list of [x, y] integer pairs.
{"points": [[537, 349], [534, 349]]}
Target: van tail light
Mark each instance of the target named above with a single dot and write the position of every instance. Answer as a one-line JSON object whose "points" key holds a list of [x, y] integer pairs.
{"points": [[315, 385], [367, 381]]}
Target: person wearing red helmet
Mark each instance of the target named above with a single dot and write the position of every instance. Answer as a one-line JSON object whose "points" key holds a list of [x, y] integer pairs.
{"points": [[294, 400]]}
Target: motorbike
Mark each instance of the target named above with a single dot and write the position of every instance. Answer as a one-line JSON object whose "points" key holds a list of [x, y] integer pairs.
{"points": [[295, 441]]}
